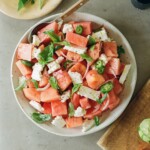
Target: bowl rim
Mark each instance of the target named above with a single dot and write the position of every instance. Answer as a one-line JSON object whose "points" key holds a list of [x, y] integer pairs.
{"points": [[81, 133]]}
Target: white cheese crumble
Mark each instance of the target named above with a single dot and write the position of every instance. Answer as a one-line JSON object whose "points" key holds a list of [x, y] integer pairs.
{"points": [[67, 28], [36, 73], [89, 93], [124, 73], [65, 96], [59, 122], [36, 105], [36, 41], [59, 59], [36, 52], [76, 49], [76, 77], [104, 58], [53, 66], [87, 125], [101, 35], [79, 112]]}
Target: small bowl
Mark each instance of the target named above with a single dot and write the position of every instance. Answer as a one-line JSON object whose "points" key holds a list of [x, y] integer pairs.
{"points": [[109, 116]]}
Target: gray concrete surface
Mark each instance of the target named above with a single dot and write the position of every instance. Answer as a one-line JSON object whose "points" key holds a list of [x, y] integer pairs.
{"points": [[16, 131]]}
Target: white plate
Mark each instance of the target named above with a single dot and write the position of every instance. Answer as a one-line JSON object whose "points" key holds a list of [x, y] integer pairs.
{"points": [[108, 117], [9, 8]]}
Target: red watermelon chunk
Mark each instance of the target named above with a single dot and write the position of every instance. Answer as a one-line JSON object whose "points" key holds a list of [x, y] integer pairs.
{"points": [[76, 39], [24, 51], [84, 102], [45, 38], [50, 95], [87, 27], [47, 108], [75, 100], [58, 108], [118, 87], [110, 49], [72, 122], [113, 66], [63, 79]]}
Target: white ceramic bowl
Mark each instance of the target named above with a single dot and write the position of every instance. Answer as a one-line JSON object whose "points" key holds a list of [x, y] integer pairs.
{"points": [[108, 117]]}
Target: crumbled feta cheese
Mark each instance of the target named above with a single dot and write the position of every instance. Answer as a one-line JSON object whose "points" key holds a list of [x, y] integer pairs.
{"points": [[36, 105], [67, 28], [36, 73], [65, 96], [87, 125], [59, 122], [53, 66], [124, 73], [36, 41], [101, 35], [79, 112], [76, 77], [76, 49], [104, 58], [89, 93], [59, 59], [36, 52]]}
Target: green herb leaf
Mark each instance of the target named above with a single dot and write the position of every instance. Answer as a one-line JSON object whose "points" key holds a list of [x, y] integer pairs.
{"points": [[99, 65], [22, 83], [120, 50], [92, 47], [75, 88], [91, 41], [66, 63], [35, 83], [107, 87], [63, 43], [41, 3], [53, 83], [97, 120], [27, 63], [101, 100], [40, 118], [21, 4], [46, 55], [79, 29], [86, 57], [71, 109], [58, 47], [54, 37]]}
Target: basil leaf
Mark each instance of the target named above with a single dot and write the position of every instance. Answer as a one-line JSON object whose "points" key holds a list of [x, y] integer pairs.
{"points": [[71, 109], [22, 83], [53, 83], [63, 43], [92, 47], [66, 63], [54, 37], [86, 57], [97, 120], [27, 63], [40, 118], [99, 65], [101, 100], [75, 88], [21, 4], [41, 3], [46, 55], [35, 83], [120, 50]]}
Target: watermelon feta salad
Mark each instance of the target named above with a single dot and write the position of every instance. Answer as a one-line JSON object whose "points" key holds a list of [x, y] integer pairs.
{"points": [[71, 74]]}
